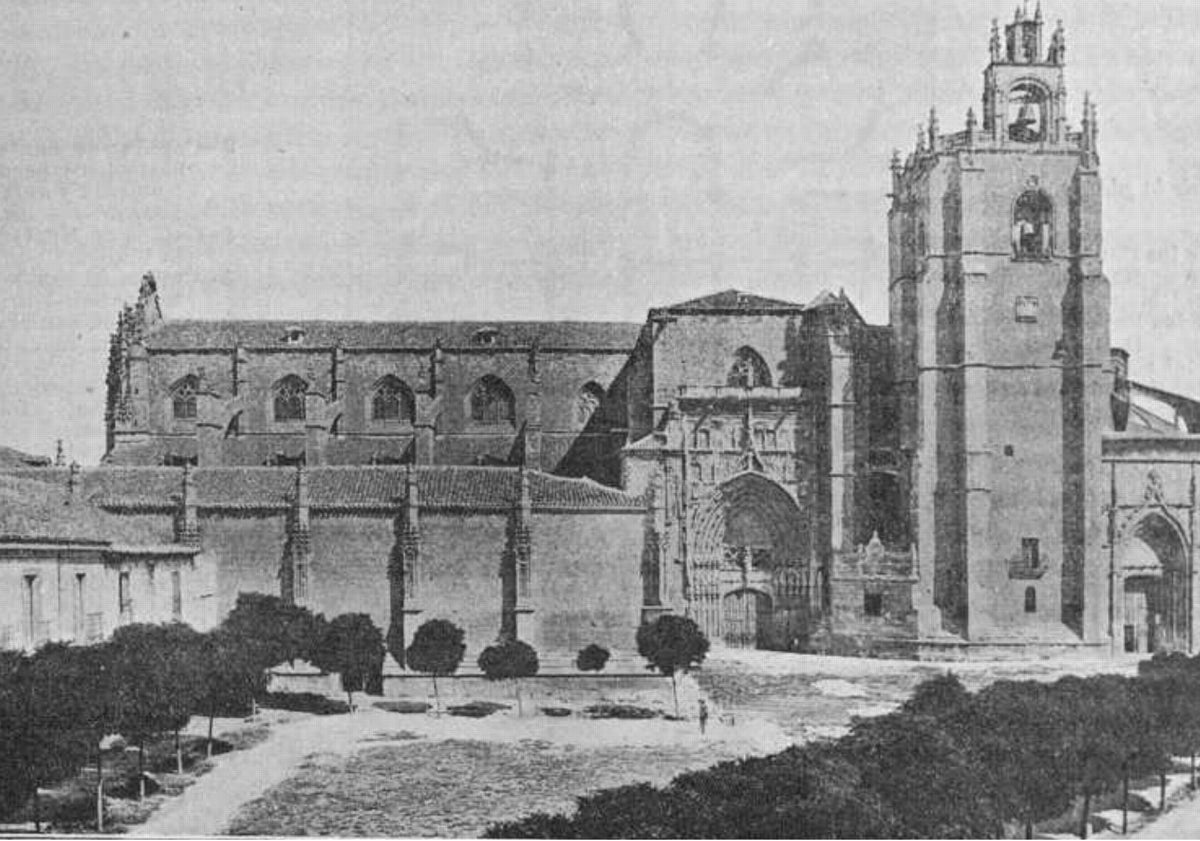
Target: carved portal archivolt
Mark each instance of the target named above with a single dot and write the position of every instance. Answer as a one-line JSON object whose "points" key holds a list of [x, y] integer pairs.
{"points": [[747, 576]]}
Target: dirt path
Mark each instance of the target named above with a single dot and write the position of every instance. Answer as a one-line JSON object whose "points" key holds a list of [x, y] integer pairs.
{"points": [[207, 807]]}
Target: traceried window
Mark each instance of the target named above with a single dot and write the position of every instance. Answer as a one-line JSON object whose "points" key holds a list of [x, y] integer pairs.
{"points": [[183, 399], [289, 399], [748, 370], [392, 401], [1033, 230], [491, 401], [587, 402]]}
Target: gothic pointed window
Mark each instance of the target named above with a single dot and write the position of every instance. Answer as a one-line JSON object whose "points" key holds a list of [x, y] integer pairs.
{"points": [[587, 402], [392, 401], [183, 398], [1033, 230], [289, 399], [491, 401], [748, 370]]}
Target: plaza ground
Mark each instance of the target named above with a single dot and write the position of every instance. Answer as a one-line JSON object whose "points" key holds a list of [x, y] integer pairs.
{"points": [[375, 772]]}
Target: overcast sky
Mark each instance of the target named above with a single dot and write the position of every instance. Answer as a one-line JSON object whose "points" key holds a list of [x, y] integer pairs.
{"points": [[490, 160]]}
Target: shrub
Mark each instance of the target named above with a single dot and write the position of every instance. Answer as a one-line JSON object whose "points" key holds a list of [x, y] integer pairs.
{"points": [[592, 659], [556, 712]]}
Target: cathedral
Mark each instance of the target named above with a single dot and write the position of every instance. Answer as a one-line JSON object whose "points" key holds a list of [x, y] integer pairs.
{"points": [[978, 477]]}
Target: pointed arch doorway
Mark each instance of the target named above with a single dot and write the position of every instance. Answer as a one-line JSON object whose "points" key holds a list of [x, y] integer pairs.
{"points": [[1155, 597], [747, 571]]}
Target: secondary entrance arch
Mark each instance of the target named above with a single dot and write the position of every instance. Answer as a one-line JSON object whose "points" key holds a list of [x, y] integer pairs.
{"points": [[747, 582], [1155, 597]]}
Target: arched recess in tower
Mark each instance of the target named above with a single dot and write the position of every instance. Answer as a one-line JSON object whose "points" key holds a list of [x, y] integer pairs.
{"points": [[1027, 117], [1155, 593], [749, 570]]}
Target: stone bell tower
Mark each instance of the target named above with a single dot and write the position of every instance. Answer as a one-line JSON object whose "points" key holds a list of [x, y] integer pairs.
{"points": [[1000, 315]]}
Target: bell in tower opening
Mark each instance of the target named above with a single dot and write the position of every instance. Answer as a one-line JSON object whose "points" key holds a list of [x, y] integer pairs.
{"points": [[1027, 103]]}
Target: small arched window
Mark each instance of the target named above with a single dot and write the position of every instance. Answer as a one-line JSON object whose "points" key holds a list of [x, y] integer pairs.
{"points": [[289, 399], [491, 401], [392, 401], [1031, 600], [748, 370], [1033, 232], [587, 403], [183, 398]]}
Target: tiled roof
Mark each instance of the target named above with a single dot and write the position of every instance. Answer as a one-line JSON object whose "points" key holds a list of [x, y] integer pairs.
{"points": [[449, 487], [734, 300], [38, 508], [184, 335]]}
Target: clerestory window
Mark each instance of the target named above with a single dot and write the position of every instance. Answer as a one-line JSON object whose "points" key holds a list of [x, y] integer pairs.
{"points": [[392, 401], [289, 399], [183, 398], [491, 401]]}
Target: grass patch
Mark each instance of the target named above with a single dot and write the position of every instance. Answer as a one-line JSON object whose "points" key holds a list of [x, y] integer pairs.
{"points": [[403, 707], [628, 711], [304, 702], [391, 736], [476, 709], [455, 788]]}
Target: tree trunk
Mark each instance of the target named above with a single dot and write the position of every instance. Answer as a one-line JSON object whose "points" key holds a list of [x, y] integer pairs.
{"points": [[99, 789], [178, 753], [141, 767], [350, 699], [1124, 804], [1029, 828], [675, 694], [517, 689], [212, 713], [1084, 822], [1162, 790], [37, 808], [437, 702], [1193, 783]]}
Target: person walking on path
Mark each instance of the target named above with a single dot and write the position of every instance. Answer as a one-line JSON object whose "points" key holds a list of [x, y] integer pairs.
{"points": [[703, 716]]}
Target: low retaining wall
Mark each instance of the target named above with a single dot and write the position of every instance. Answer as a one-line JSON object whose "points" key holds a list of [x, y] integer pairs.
{"points": [[647, 690]]}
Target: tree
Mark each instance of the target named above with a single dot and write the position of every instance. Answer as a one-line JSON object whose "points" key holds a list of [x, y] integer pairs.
{"points": [[353, 647], [437, 649], [230, 679], [672, 644], [157, 683], [930, 782], [273, 630], [509, 659], [592, 659], [1016, 730]]}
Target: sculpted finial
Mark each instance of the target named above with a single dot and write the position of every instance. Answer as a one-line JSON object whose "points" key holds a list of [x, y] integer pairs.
{"points": [[1058, 45]]}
